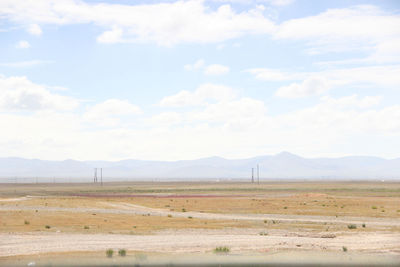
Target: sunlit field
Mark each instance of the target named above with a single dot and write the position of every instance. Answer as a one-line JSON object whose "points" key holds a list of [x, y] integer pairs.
{"points": [[152, 221]]}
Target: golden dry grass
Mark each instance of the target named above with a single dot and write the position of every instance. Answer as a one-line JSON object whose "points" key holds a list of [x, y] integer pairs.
{"points": [[308, 198], [302, 204], [14, 221]]}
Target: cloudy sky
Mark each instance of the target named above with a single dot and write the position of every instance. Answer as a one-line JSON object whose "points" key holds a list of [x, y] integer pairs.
{"points": [[170, 80]]}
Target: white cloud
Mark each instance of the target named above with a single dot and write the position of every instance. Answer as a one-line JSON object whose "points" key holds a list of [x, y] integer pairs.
{"points": [[383, 76], [112, 36], [34, 29], [199, 96], [387, 51], [25, 64], [236, 114], [329, 31], [163, 23], [216, 69], [234, 128], [19, 94], [195, 66], [166, 119], [271, 2], [309, 87], [353, 101], [350, 115], [109, 112], [22, 44], [213, 69]]}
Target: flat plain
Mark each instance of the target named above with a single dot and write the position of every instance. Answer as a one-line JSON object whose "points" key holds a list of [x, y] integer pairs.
{"points": [[164, 221]]}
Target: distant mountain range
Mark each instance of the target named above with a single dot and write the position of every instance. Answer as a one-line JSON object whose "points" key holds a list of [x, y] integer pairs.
{"points": [[279, 166]]}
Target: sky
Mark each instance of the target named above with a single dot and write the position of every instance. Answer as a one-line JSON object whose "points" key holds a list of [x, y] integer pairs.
{"points": [[179, 80]]}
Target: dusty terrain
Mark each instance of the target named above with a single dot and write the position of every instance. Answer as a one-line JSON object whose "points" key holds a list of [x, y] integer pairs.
{"points": [[57, 220]]}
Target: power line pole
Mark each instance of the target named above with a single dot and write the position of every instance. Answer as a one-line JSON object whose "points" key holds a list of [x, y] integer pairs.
{"points": [[95, 176], [101, 176], [252, 175]]}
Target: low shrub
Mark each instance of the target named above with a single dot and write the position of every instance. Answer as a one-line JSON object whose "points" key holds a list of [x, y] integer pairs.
{"points": [[109, 253], [26, 222], [352, 226], [86, 227], [122, 252], [222, 250], [344, 249], [47, 227]]}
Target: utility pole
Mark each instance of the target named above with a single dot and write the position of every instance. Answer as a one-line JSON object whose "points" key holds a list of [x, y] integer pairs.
{"points": [[258, 174], [95, 176], [252, 175], [101, 176]]}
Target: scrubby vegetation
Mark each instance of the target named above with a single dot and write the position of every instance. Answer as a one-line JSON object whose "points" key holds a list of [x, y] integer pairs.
{"points": [[222, 250], [122, 252], [109, 253], [352, 226]]}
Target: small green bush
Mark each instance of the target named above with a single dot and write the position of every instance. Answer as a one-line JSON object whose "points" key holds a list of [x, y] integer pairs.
{"points": [[122, 252], [109, 253], [374, 207], [265, 221], [352, 226], [47, 227], [222, 250], [183, 210], [344, 249], [169, 216], [363, 225], [285, 208], [86, 227], [190, 217], [263, 233], [26, 222]]}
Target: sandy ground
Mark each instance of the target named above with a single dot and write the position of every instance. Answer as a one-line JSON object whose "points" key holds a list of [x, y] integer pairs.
{"points": [[197, 240], [190, 241]]}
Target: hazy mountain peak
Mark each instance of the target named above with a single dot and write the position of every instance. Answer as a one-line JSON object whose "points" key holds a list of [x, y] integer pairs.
{"points": [[285, 154], [282, 165]]}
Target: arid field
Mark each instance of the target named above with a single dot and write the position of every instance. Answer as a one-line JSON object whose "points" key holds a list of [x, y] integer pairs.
{"points": [[327, 222]]}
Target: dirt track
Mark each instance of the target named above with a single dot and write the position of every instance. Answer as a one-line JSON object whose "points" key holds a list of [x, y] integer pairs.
{"points": [[191, 241]]}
